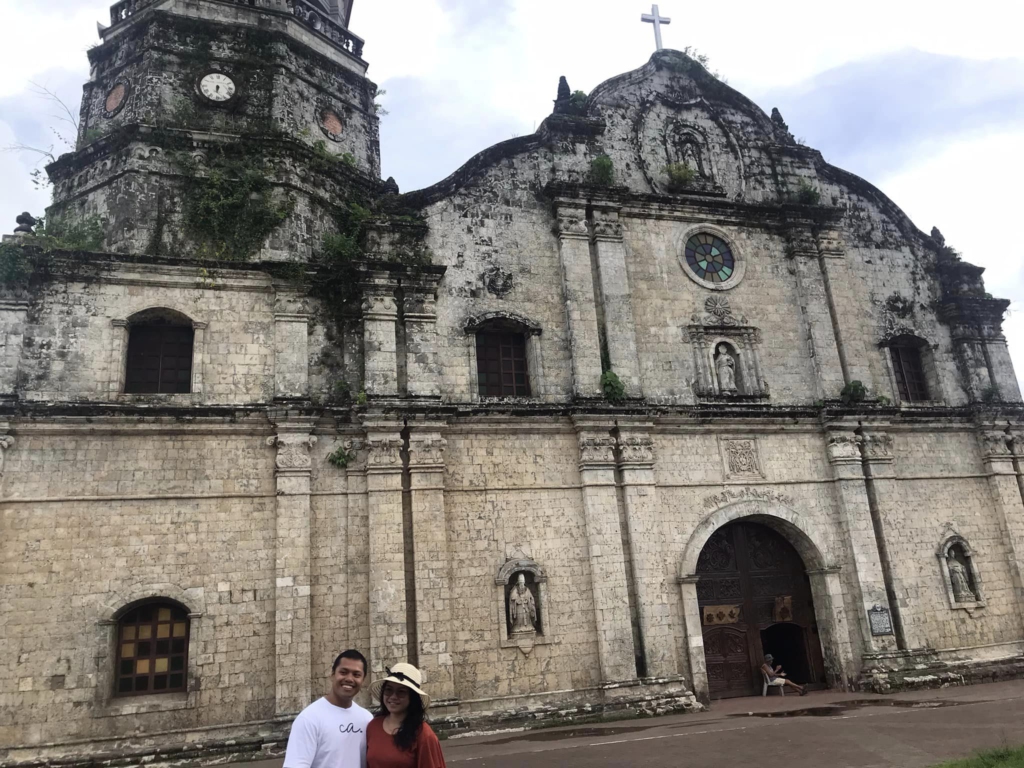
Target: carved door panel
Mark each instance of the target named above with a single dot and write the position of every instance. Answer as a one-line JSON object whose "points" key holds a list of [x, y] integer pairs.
{"points": [[727, 657], [751, 579]]}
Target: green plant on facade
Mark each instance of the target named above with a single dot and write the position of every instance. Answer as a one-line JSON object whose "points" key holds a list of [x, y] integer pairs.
{"points": [[602, 171], [806, 194], [680, 176], [361, 398], [340, 457], [230, 211], [612, 387], [33, 253], [578, 103], [854, 392]]}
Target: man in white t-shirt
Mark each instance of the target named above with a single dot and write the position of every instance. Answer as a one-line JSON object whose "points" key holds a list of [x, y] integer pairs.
{"points": [[331, 732]]}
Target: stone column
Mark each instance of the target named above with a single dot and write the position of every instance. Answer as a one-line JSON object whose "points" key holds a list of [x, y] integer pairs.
{"points": [[6, 443], [814, 313], [292, 627], [357, 561], [199, 356], [388, 632], [604, 543], [13, 314], [578, 292], [291, 347], [694, 637], [867, 580], [616, 300], [380, 344], [430, 549], [422, 366], [118, 356], [845, 306], [1000, 453], [640, 496]]}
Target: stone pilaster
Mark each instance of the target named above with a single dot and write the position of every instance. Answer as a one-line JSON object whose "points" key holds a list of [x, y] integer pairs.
{"points": [[866, 582], [1003, 458], [292, 615], [388, 632], [380, 343], [578, 291], [616, 299], [423, 366], [357, 561], [431, 560], [13, 314], [814, 313], [118, 356], [604, 544], [6, 443], [291, 346], [846, 306], [827, 593], [640, 497], [694, 637]]}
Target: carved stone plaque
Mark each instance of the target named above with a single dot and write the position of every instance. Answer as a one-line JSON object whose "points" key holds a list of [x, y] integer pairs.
{"points": [[880, 621]]}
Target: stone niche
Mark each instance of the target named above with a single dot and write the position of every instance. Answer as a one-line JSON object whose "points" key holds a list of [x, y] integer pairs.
{"points": [[522, 615], [726, 354]]}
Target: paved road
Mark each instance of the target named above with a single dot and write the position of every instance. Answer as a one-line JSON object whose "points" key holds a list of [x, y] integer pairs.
{"points": [[830, 730]]}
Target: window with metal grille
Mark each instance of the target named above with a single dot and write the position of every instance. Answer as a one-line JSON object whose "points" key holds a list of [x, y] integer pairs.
{"points": [[152, 650], [909, 369], [501, 364], [159, 359]]}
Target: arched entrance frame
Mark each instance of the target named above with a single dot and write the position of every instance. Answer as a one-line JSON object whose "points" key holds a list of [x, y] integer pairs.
{"points": [[826, 586]]}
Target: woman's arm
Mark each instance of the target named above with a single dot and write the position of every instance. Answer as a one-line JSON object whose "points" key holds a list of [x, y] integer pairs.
{"points": [[428, 750]]}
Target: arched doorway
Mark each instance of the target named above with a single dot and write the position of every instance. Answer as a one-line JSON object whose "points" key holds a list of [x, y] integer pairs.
{"points": [[755, 598]]}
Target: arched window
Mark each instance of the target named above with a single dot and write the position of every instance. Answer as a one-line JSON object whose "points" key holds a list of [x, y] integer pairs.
{"points": [[906, 353], [503, 354], [152, 649], [160, 343]]}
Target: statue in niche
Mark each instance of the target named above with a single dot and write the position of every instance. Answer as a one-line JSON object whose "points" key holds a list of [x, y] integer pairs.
{"points": [[962, 591], [691, 157], [522, 608], [726, 368]]}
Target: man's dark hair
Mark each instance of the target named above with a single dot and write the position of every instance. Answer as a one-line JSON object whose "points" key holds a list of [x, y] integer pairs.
{"points": [[351, 653]]}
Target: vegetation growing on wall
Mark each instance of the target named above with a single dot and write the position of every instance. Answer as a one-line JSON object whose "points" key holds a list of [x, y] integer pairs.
{"points": [[33, 253], [612, 387], [680, 176], [230, 210], [602, 171], [806, 194]]}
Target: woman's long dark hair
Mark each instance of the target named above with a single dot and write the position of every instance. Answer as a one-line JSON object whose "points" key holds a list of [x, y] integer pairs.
{"points": [[409, 730]]}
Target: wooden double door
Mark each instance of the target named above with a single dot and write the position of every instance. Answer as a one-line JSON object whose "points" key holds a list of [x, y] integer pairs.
{"points": [[755, 598]]}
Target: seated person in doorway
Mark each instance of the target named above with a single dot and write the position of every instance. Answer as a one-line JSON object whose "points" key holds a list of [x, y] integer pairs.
{"points": [[777, 677]]}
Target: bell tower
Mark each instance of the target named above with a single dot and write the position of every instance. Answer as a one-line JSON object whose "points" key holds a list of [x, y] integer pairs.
{"points": [[187, 96]]}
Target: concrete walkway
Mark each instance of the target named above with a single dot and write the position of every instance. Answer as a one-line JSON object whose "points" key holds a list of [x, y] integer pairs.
{"points": [[821, 730]]}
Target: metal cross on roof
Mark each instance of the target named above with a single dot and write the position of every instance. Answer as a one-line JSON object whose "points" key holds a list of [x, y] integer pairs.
{"points": [[657, 20]]}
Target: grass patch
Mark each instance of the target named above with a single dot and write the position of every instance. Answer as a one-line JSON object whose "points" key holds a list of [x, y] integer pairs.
{"points": [[1005, 757]]}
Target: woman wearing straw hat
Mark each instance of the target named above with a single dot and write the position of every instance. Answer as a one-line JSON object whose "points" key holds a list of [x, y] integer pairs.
{"points": [[398, 737]]}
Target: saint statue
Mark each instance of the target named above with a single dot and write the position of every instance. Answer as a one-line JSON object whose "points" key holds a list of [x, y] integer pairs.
{"points": [[690, 158], [726, 368], [962, 591], [522, 608]]}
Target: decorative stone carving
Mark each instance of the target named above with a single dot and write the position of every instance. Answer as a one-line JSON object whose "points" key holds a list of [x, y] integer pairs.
{"points": [[731, 495], [725, 366], [384, 452], [719, 311], [25, 221], [741, 458], [292, 450], [572, 223], [878, 447], [597, 450], [994, 444], [522, 608], [427, 450], [958, 580], [636, 449], [607, 228], [844, 448], [502, 318], [498, 282], [6, 441], [379, 306]]}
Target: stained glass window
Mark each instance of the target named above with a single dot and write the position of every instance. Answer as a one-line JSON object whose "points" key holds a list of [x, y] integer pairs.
{"points": [[710, 258], [152, 649]]}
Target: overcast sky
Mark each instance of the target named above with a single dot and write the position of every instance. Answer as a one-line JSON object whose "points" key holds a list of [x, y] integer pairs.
{"points": [[923, 99]]}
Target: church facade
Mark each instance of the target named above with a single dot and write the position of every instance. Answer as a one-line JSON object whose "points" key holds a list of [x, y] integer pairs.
{"points": [[590, 425]]}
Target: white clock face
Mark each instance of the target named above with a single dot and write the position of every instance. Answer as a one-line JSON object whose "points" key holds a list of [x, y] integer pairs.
{"points": [[217, 87]]}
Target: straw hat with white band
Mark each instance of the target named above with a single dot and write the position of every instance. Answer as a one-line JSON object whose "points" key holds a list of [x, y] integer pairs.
{"points": [[401, 674]]}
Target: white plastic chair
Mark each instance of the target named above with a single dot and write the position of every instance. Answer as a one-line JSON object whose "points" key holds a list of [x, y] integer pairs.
{"points": [[776, 683]]}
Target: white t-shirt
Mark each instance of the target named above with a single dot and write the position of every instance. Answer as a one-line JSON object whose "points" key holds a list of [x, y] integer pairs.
{"points": [[326, 736]]}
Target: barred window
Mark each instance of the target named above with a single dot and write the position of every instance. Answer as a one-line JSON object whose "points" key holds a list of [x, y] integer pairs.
{"points": [[909, 370], [160, 346], [152, 649], [501, 364]]}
